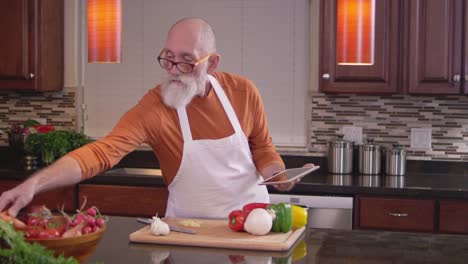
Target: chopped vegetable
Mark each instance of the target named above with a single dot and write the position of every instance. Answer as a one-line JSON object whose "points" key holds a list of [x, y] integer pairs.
{"points": [[283, 219], [236, 220], [258, 222], [159, 227], [189, 223]]}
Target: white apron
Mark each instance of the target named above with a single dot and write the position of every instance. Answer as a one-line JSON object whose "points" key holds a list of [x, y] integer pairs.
{"points": [[215, 176]]}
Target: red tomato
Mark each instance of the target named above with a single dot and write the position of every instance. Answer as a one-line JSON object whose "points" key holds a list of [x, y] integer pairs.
{"points": [[49, 233], [33, 221], [32, 232]]}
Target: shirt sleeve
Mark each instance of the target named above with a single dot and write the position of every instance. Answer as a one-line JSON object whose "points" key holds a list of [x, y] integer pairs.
{"points": [[261, 144], [129, 133]]}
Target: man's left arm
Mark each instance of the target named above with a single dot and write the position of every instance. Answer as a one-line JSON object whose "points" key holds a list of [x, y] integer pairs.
{"points": [[266, 158]]}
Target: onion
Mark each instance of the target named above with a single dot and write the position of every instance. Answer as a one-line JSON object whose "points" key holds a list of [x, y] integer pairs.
{"points": [[258, 222]]}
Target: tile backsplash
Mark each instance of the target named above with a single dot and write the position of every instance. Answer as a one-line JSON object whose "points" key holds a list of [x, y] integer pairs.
{"points": [[389, 118], [56, 108]]}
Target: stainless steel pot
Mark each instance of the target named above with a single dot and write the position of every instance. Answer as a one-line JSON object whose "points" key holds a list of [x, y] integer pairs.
{"points": [[395, 161], [340, 156], [369, 158]]}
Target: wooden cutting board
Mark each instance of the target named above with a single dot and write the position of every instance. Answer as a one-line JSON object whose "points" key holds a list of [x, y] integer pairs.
{"points": [[216, 233]]}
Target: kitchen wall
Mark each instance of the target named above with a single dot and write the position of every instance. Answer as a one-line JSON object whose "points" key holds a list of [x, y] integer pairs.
{"points": [[386, 119], [389, 119]]}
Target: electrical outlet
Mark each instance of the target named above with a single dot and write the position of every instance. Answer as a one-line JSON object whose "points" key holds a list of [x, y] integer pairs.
{"points": [[353, 134], [421, 138]]}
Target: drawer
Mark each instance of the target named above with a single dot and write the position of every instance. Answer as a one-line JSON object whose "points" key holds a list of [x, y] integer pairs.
{"points": [[453, 217], [125, 200], [396, 214]]}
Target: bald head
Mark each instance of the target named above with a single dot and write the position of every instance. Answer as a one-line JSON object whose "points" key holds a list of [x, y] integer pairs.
{"points": [[195, 31]]}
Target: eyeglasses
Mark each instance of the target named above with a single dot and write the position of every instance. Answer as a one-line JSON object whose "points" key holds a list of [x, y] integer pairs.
{"points": [[183, 67]]}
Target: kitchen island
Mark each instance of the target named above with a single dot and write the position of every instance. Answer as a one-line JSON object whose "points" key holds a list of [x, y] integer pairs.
{"points": [[320, 245]]}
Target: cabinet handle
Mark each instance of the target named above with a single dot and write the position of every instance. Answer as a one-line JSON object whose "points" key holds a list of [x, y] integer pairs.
{"points": [[326, 76], [31, 76], [457, 78], [398, 214]]}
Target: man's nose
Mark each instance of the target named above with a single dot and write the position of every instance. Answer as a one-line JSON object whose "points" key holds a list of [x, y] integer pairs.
{"points": [[174, 70]]}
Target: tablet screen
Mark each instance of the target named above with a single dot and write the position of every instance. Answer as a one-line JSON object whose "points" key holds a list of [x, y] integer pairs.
{"points": [[292, 174]]}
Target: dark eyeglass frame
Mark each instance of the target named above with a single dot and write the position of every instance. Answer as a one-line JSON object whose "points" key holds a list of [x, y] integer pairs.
{"points": [[161, 60]]}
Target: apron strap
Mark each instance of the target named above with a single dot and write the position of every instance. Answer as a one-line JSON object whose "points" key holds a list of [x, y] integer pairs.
{"points": [[226, 104], [184, 124]]}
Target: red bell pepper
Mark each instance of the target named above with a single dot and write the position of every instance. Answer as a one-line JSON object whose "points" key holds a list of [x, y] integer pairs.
{"points": [[237, 220], [250, 206]]}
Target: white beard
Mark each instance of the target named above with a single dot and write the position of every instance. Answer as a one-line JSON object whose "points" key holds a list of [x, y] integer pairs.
{"points": [[180, 94]]}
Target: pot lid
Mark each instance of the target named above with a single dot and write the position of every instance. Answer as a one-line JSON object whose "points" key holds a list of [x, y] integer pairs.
{"points": [[370, 145], [341, 142], [396, 149]]}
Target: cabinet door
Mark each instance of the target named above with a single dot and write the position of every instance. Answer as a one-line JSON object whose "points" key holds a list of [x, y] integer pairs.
{"points": [[435, 46], [17, 48], [53, 199], [453, 217], [396, 214], [465, 82], [32, 45], [367, 63], [125, 200]]}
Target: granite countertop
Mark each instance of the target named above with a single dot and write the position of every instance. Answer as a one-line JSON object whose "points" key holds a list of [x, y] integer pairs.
{"points": [[321, 245], [422, 180]]}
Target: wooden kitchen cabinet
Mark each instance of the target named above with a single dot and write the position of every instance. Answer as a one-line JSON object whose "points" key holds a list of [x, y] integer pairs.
{"points": [[435, 38], [53, 199], [125, 200], [396, 214], [32, 45], [340, 72], [453, 216], [419, 47]]}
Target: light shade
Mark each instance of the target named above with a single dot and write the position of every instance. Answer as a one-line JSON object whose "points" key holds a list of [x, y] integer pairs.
{"points": [[104, 31], [355, 27]]}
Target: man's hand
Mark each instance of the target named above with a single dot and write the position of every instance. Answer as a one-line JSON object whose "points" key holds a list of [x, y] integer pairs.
{"points": [[269, 171], [63, 172], [17, 198], [284, 187]]}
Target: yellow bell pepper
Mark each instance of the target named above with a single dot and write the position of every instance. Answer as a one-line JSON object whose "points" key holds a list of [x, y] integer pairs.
{"points": [[299, 216]]}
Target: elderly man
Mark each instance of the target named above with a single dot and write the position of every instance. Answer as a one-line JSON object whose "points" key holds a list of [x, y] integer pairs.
{"points": [[208, 130]]}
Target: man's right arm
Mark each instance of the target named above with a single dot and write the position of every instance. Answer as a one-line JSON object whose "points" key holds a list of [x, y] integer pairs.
{"points": [[63, 172]]}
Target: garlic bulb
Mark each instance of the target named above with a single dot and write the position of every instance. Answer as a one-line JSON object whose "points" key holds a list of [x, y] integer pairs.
{"points": [[159, 228]]}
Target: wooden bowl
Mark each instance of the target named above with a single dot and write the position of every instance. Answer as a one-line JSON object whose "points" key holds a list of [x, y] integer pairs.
{"points": [[78, 247]]}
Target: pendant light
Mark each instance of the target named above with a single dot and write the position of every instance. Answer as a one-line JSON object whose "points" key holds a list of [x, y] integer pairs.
{"points": [[355, 35], [104, 31]]}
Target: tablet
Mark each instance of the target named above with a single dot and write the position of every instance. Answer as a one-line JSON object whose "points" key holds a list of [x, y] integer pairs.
{"points": [[292, 174]]}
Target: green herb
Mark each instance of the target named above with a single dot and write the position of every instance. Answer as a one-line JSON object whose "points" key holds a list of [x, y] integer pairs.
{"points": [[53, 145], [30, 123], [14, 249]]}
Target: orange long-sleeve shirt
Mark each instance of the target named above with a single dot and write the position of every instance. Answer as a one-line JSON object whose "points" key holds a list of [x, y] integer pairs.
{"points": [[154, 123]]}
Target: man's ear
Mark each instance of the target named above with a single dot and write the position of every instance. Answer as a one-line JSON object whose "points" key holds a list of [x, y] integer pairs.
{"points": [[213, 62]]}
